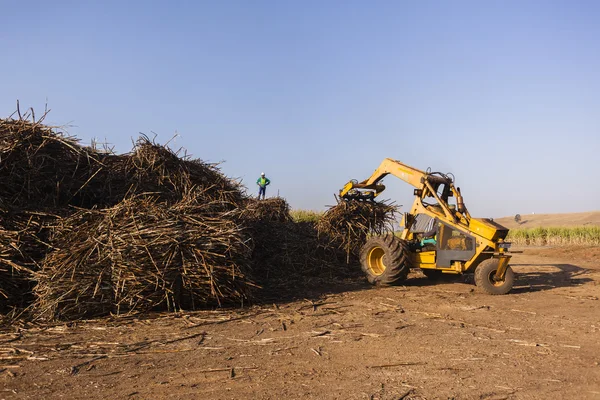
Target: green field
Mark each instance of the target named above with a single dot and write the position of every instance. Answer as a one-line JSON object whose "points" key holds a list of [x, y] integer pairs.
{"points": [[580, 235], [305, 215], [539, 236]]}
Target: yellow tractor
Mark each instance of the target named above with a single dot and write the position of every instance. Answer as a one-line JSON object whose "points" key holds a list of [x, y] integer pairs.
{"points": [[440, 238]]}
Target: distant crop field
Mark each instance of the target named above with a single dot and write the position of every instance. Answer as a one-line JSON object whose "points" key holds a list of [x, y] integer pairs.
{"points": [[538, 236], [579, 235], [306, 215]]}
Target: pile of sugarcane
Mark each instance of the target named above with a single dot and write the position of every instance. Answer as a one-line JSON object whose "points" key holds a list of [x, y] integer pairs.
{"points": [[85, 232], [23, 245], [157, 170], [40, 169], [268, 210], [142, 255], [287, 254]]}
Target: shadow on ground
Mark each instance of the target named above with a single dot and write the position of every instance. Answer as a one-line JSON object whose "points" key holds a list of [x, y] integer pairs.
{"points": [[309, 288], [314, 289], [568, 275], [563, 275]]}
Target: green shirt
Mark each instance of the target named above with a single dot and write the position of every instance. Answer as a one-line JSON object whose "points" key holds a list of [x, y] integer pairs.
{"points": [[263, 181]]}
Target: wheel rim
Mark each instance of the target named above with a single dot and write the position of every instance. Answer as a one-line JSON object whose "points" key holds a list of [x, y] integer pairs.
{"points": [[493, 280], [375, 261]]}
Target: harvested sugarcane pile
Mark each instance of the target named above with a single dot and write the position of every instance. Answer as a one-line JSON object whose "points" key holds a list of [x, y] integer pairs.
{"points": [[41, 173], [14, 277], [144, 255], [157, 170], [191, 252], [85, 232], [347, 224], [268, 210], [74, 280], [287, 253], [42, 169], [23, 244]]}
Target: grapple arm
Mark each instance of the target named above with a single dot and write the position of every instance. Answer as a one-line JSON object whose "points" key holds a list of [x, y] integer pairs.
{"points": [[371, 188]]}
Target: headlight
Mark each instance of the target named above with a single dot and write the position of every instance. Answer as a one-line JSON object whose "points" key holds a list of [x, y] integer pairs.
{"points": [[504, 245]]}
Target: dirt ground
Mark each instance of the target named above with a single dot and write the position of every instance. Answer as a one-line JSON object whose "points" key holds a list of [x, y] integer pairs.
{"points": [[424, 340]]}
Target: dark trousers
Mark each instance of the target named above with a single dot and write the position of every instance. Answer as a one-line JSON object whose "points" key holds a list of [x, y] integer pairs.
{"points": [[262, 190]]}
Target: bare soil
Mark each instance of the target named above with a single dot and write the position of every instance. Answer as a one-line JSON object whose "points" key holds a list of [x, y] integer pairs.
{"points": [[342, 340]]}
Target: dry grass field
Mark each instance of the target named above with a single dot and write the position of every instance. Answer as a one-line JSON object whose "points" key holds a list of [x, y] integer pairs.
{"points": [[591, 218]]}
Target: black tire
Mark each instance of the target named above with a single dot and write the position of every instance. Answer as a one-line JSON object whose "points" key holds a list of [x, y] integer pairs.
{"points": [[484, 278], [385, 260]]}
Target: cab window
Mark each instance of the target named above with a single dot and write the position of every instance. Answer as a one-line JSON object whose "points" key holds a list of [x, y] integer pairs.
{"points": [[452, 239]]}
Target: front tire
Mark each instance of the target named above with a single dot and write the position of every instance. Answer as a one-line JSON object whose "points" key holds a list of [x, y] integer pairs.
{"points": [[385, 260], [485, 281]]}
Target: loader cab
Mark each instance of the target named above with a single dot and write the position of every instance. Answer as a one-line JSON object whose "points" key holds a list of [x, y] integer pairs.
{"points": [[451, 244]]}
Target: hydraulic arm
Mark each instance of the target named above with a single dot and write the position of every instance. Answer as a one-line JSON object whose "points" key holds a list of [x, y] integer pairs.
{"points": [[427, 185]]}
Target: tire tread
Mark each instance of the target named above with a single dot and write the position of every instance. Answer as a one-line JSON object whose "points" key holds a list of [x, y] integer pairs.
{"points": [[396, 259], [482, 272]]}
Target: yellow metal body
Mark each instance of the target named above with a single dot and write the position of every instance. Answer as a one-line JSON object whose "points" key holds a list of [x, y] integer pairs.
{"points": [[440, 188]]}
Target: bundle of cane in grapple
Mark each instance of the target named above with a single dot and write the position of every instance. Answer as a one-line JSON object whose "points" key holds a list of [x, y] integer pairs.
{"points": [[347, 224]]}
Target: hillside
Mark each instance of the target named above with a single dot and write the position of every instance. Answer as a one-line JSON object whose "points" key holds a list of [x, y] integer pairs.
{"points": [[591, 218]]}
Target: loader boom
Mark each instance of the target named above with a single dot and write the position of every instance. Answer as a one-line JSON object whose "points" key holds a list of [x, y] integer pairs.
{"points": [[428, 185], [408, 174]]}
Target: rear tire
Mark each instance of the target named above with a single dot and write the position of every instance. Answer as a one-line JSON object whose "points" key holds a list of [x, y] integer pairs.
{"points": [[484, 278], [385, 260]]}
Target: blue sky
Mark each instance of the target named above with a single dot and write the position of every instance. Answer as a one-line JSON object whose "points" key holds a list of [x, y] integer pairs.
{"points": [[504, 94]]}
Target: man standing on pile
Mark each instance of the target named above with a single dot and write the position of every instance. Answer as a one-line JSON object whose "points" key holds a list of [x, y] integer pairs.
{"points": [[262, 183]]}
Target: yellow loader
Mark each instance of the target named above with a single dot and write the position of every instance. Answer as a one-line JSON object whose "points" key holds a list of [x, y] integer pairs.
{"points": [[455, 244]]}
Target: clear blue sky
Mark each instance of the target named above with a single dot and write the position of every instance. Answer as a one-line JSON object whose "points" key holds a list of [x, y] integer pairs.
{"points": [[504, 94]]}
